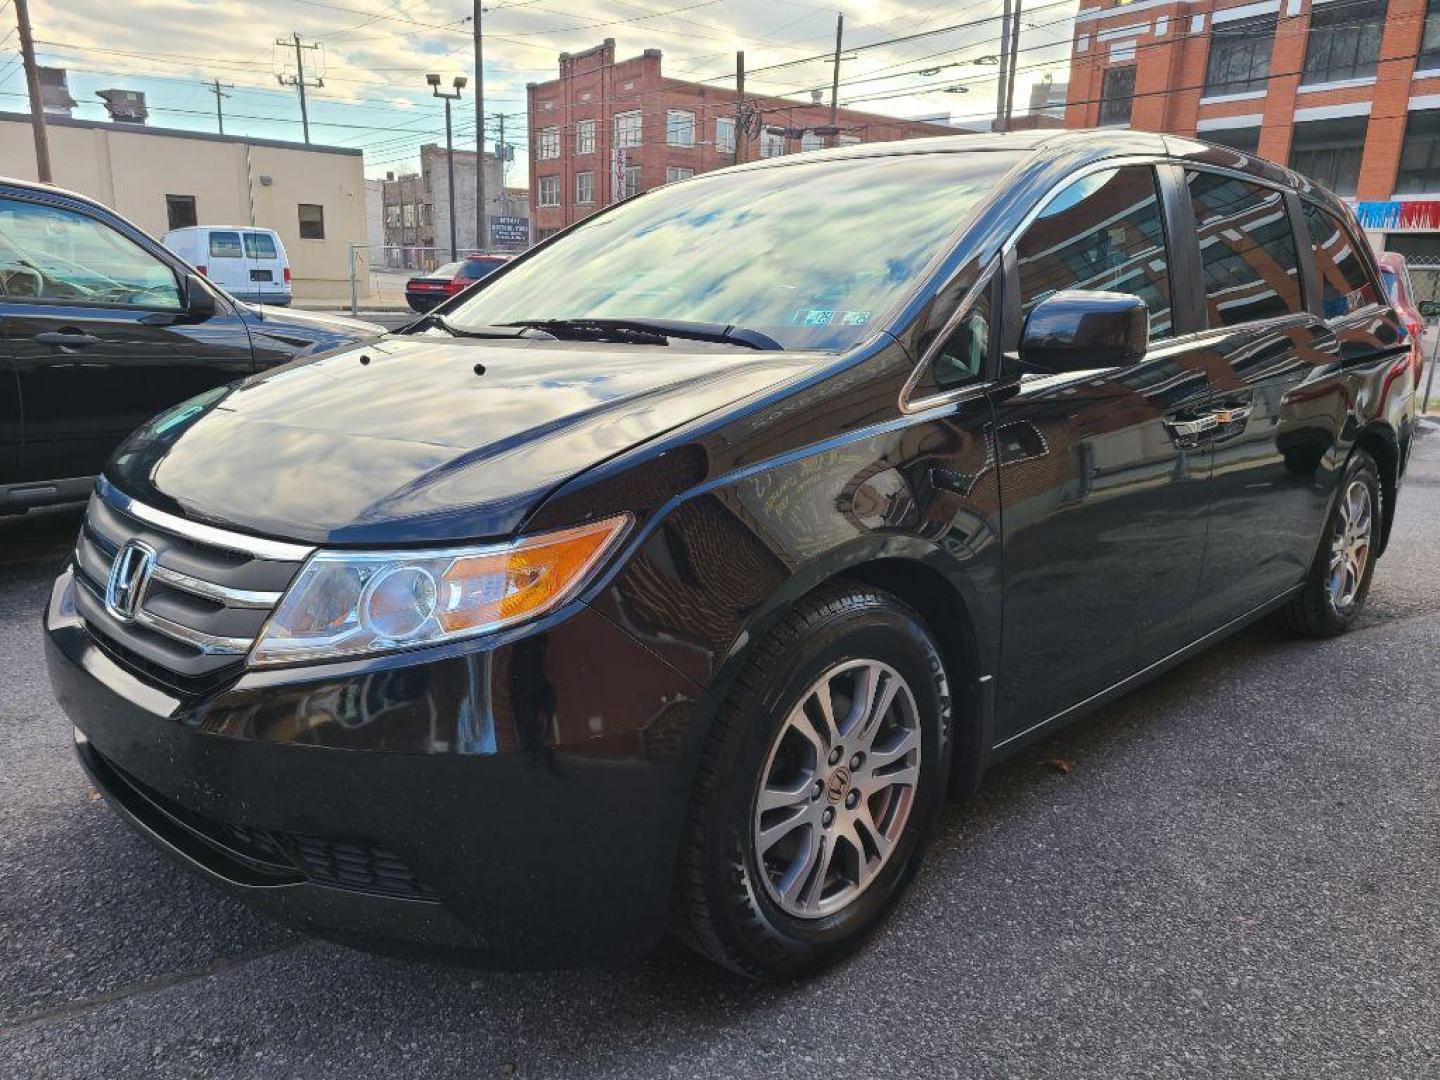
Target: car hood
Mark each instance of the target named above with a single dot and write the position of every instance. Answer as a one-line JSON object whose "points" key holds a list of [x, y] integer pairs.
{"points": [[417, 439], [280, 319]]}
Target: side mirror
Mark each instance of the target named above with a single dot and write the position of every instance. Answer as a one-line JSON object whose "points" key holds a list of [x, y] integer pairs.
{"points": [[199, 300], [1429, 309], [1077, 330]]}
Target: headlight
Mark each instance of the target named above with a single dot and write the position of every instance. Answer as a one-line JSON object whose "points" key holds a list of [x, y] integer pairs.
{"points": [[354, 603]]}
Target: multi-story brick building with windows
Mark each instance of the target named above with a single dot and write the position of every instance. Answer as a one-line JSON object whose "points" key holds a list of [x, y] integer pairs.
{"points": [[606, 128], [1345, 91]]}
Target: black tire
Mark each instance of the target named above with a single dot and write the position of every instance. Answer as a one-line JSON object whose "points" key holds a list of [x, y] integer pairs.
{"points": [[1314, 613], [724, 909]]}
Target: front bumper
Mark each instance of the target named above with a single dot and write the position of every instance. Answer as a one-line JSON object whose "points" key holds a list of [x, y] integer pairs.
{"points": [[519, 805]]}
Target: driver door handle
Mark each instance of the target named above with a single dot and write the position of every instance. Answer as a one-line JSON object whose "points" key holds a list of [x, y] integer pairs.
{"points": [[70, 339]]}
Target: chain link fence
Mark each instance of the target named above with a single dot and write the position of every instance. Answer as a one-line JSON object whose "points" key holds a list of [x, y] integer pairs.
{"points": [[1425, 285]]}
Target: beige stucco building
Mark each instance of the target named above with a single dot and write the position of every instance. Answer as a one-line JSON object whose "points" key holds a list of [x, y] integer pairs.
{"points": [[151, 174]]}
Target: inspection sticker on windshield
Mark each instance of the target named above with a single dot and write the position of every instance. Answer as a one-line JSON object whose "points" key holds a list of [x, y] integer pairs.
{"points": [[813, 317]]}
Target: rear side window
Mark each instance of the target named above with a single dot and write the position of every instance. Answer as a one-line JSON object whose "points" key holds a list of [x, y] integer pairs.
{"points": [[1247, 250], [225, 245], [478, 268], [259, 245], [1104, 231], [1344, 282]]}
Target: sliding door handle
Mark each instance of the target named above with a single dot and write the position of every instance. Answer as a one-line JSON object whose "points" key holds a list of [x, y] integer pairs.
{"points": [[69, 339]]}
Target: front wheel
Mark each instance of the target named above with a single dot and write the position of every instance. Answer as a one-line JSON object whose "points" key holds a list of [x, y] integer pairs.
{"points": [[1339, 579], [818, 788]]}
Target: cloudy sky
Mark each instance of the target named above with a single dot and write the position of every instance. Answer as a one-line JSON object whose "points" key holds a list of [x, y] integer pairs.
{"points": [[374, 54]]}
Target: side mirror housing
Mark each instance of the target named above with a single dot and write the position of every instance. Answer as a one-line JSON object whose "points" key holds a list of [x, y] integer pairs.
{"points": [[199, 300], [1075, 330]]}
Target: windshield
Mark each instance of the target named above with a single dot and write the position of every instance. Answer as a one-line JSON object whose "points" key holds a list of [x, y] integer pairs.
{"points": [[806, 253]]}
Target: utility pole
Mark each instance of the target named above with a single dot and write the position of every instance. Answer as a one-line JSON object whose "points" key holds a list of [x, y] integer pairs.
{"points": [[835, 77], [449, 96], [32, 83], [218, 89], [1014, 63], [482, 238], [1002, 110], [500, 155], [298, 79], [740, 118]]}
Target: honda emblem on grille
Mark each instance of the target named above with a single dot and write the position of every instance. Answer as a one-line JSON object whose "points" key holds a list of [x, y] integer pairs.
{"points": [[129, 574]]}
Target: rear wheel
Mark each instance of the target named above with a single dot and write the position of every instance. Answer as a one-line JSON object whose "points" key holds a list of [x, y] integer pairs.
{"points": [[819, 786], [1339, 580]]}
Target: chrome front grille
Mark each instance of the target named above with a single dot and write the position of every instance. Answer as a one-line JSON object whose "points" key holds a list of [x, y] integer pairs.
{"points": [[207, 594]]}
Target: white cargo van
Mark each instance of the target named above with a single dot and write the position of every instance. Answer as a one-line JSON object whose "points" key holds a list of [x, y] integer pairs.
{"points": [[248, 263]]}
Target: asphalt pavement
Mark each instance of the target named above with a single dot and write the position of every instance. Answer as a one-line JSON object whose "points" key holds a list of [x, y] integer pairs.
{"points": [[1238, 876]]}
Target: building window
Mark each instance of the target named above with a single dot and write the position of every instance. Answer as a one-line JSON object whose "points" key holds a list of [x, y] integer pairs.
{"points": [[545, 234], [584, 188], [1239, 59], [1328, 151], [1429, 58], [849, 140], [1420, 154], [1117, 92], [1344, 40], [585, 137], [627, 128], [632, 180], [408, 215], [549, 191], [811, 141], [725, 132], [180, 211], [680, 128], [677, 172], [548, 144], [392, 216], [1246, 140], [772, 144], [312, 221]]}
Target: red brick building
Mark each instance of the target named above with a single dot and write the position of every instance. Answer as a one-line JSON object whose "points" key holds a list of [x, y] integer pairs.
{"points": [[1345, 91], [608, 128]]}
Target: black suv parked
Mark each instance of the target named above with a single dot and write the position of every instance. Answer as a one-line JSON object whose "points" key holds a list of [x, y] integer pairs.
{"points": [[101, 328], [673, 575]]}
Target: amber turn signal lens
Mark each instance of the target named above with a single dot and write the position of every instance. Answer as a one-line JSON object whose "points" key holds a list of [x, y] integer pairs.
{"points": [[529, 579]]}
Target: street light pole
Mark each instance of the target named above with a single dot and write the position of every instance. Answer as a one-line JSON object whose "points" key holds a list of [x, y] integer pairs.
{"points": [[449, 96]]}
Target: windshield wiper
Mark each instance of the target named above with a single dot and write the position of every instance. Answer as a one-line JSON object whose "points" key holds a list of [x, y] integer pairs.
{"points": [[510, 330], [651, 331]]}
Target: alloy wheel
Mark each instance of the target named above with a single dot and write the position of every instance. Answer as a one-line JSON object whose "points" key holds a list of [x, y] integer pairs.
{"points": [[1350, 550], [837, 788]]}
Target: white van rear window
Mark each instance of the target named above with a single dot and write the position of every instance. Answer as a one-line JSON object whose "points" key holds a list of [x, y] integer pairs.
{"points": [[260, 245]]}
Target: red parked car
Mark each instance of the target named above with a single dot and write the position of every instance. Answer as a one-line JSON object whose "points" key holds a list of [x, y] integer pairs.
{"points": [[428, 290], [1395, 273]]}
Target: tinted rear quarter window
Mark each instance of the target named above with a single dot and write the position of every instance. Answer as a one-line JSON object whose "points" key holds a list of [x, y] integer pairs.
{"points": [[1102, 231], [225, 245], [1247, 250], [478, 268], [1345, 284]]}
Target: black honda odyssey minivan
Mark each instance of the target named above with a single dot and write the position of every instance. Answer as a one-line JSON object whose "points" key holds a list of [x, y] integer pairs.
{"points": [[671, 577]]}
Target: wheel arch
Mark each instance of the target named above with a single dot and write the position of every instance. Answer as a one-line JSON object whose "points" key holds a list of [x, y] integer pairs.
{"points": [[1379, 440], [952, 621]]}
